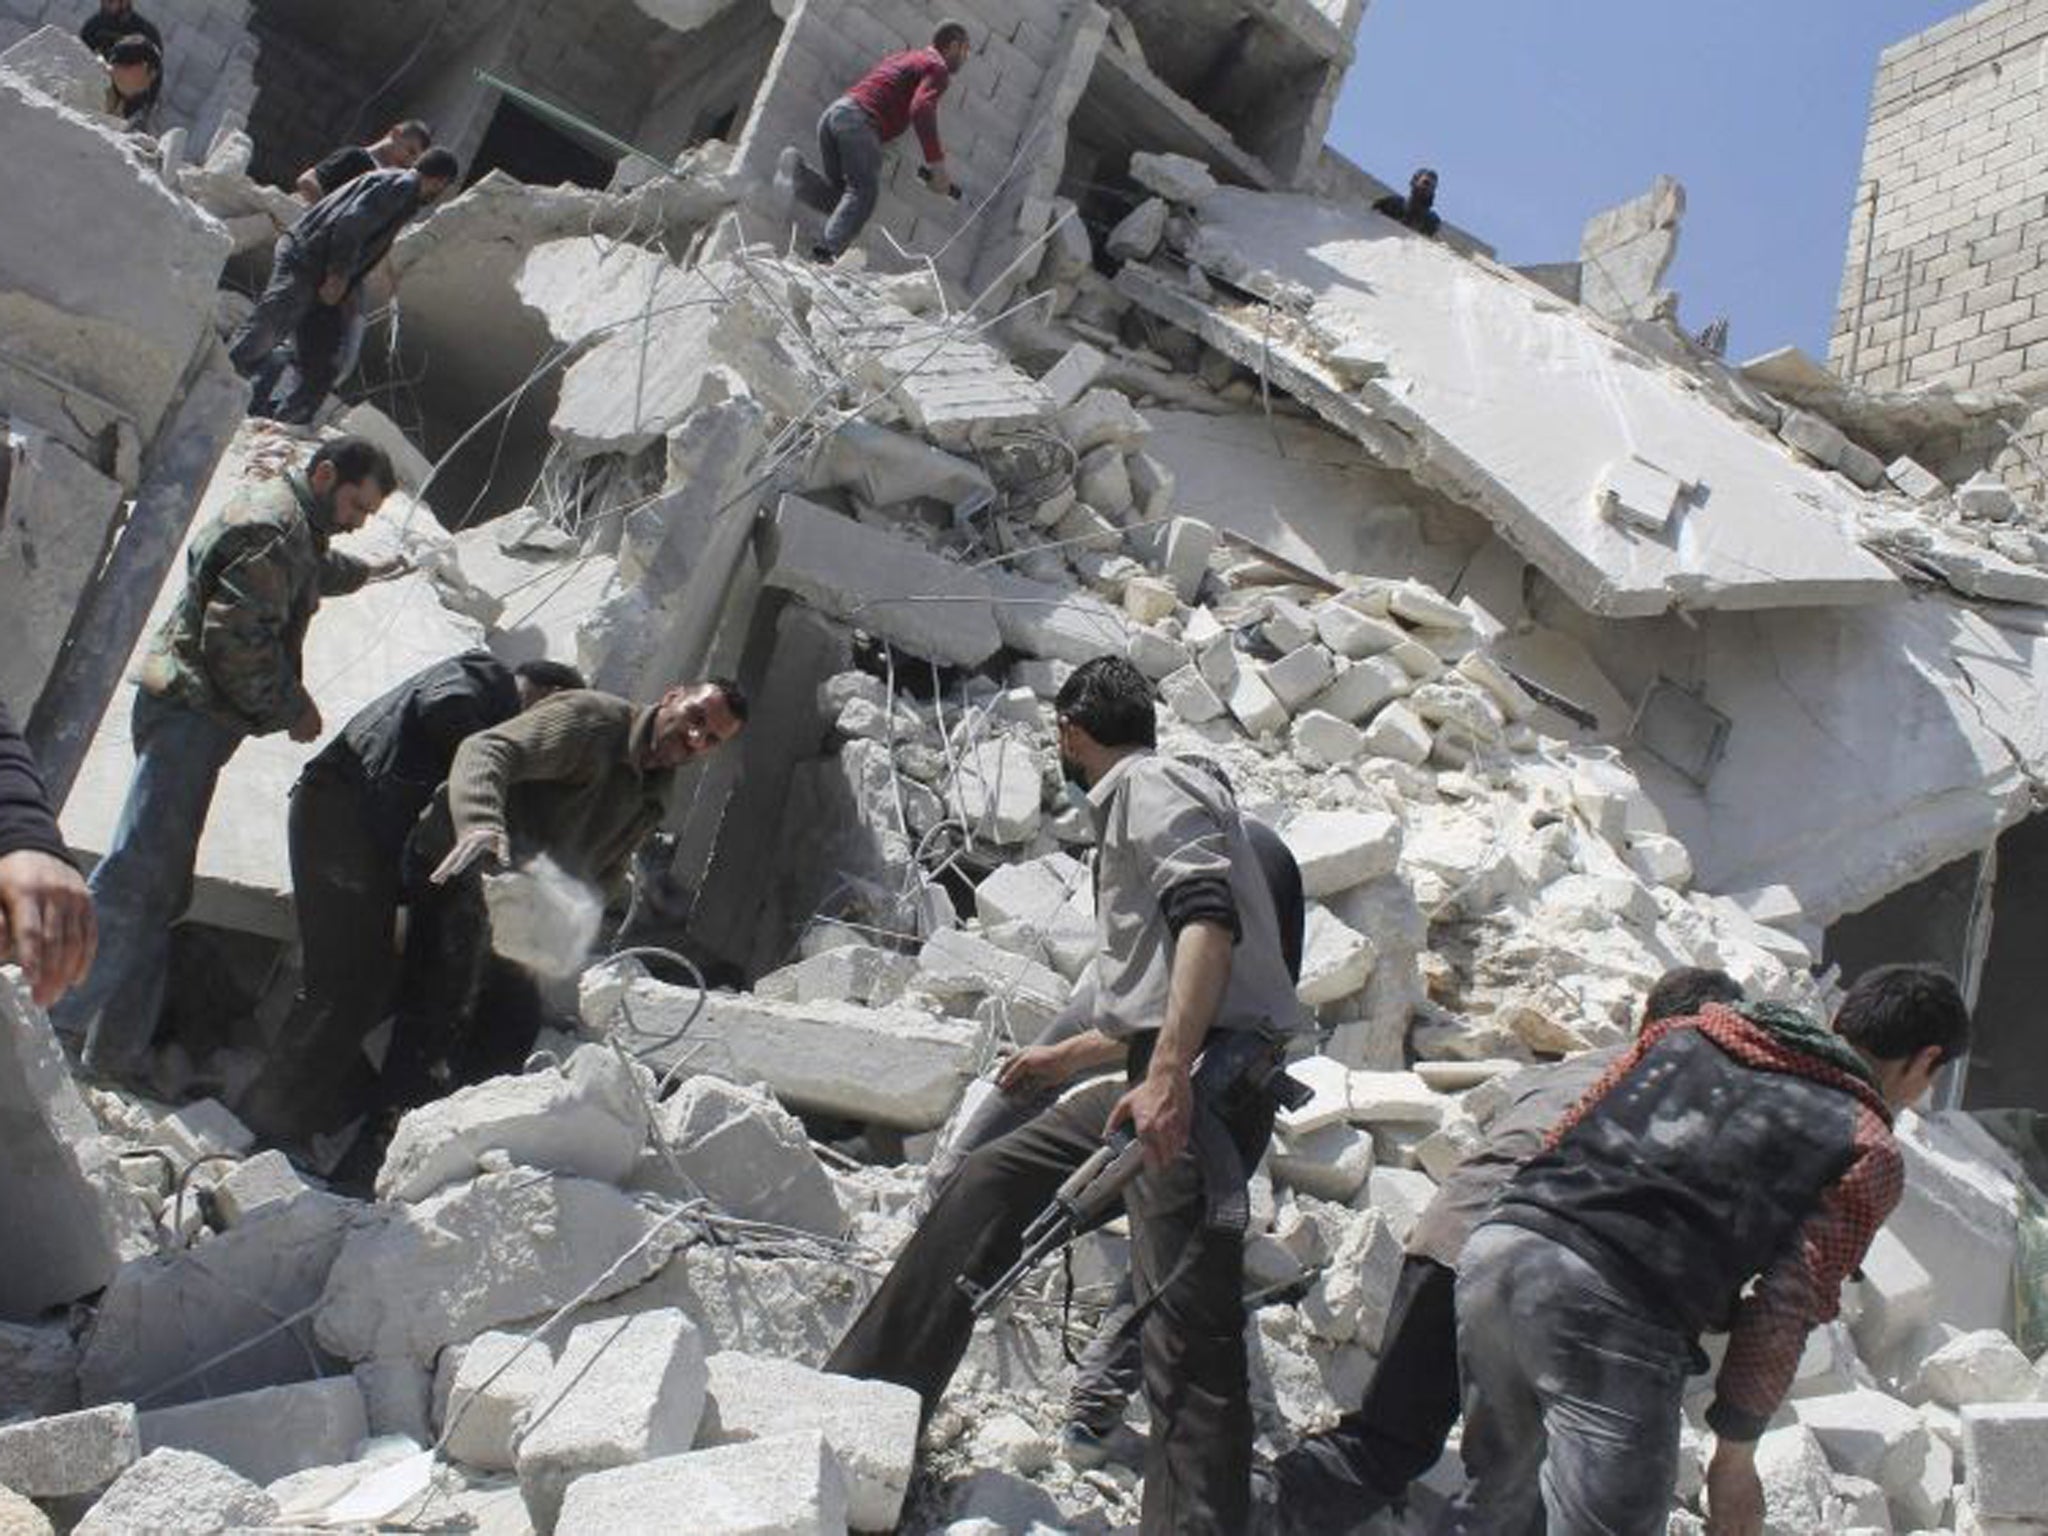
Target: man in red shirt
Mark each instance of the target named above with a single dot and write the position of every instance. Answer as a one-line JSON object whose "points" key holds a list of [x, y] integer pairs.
{"points": [[903, 91]]}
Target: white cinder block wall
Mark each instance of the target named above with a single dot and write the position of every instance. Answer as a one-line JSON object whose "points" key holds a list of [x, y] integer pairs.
{"points": [[1947, 275]]}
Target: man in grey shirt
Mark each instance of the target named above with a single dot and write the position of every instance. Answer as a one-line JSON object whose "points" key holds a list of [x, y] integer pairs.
{"points": [[1190, 948], [1334, 1482]]}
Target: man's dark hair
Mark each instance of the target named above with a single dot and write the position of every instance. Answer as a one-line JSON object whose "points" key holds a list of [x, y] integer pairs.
{"points": [[439, 165], [556, 675], [356, 459], [136, 49], [1111, 700], [412, 128], [1214, 769], [1683, 992], [1896, 1011], [949, 33], [735, 696], [1429, 171]]}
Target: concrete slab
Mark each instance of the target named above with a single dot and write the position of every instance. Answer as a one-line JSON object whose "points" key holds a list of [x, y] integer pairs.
{"points": [[1518, 406], [268, 1434], [790, 1485]]}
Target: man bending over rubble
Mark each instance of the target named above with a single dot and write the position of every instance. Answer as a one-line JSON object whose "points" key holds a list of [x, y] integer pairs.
{"points": [[224, 666], [353, 808], [582, 777], [1333, 1483], [1190, 949], [46, 919], [1727, 1174], [319, 263], [903, 91]]}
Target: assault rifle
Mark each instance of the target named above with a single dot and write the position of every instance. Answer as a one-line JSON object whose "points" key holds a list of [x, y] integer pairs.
{"points": [[1234, 1065]]}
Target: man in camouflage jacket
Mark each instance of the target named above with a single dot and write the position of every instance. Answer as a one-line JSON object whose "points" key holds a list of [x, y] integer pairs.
{"points": [[223, 666]]}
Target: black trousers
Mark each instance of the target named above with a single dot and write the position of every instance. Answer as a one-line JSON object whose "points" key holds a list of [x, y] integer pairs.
{"points": [[345, 889], [1190, 1280], [1334, 1482]]}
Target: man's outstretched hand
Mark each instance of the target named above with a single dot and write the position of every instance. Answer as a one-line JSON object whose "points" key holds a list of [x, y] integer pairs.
{"points": [[47, 925], [1161, 1110], [480, 845]]}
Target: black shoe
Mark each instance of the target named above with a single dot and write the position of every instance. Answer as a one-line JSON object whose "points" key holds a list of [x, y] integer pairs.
{"points": [[824, 255]]}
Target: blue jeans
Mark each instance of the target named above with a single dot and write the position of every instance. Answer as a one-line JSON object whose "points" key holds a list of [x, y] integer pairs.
{"points": [[850, 153], [144, 883]]}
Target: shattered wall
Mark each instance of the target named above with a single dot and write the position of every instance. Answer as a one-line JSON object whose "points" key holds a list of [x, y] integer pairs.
{"points": [[1945, 282], [209, 56]]}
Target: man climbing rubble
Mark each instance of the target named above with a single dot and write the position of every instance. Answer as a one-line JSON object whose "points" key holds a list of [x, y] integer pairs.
{"points": [[399, 150], [226, 664], [1190, 949], [352, 810], [582, 777], [902, 91], [1335, 1482], [1728, 1173], [46, 918], [1111, 1369], [319, 263], [1418, 209]]}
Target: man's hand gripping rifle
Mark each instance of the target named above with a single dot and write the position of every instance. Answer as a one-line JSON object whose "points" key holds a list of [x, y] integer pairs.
{"points": [[1234, 1063]]}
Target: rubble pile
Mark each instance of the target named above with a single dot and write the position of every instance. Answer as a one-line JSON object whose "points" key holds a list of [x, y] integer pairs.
{"points": [[585, 1296]]}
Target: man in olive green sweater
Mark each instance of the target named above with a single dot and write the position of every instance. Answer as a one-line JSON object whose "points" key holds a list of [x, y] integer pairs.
{"points": [[583, 778]]}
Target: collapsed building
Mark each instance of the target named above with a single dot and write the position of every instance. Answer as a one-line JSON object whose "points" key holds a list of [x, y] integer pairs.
{"points": [[1560, 651]]}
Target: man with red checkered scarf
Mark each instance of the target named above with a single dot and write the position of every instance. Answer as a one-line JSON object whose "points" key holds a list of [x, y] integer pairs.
{"points": [[1727, 1174]]}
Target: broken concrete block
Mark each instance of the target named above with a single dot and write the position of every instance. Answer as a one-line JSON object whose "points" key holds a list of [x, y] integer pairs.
{"points": [[1985, 498], [55, 63], [1362, 688], [1104, 483], [582, 1118], [872, 1426], [1353, 634], [1512, 699], [1148, 599], [1176, 178], [890, 1066], [1257, 708], [858, 973], [62, 1183], [1156, 655], [1189, 544], [1138, 233], [1637, 493], [956, 964], [1896, 1296], [1625, 251], [1329, 1085], [177, 1491], [1339, 850], [268, 1434], [543, 919], [70, 1454], [1288, 626], [485, 1388], [1797, 1481], [20, 1517], [1336, 960], [163, 1317], [1350, 1300], [1426, 609], [1398, 732], [409, 1284], [790, 1485], [1915, 481], [881, 583], [1074, 374], [1661, 860], [1396, 1099], [255, 1184], [398, 1398], [1819, 439], [1188, 694], [1867, 1434], [748, 1154], [1152, 488], [1057, 623], [1300, 675], [1980, 1367], [997, 791], [2005, 1473], [624, 1391], [1863, 467], [1331, 1162], [1103, 418], [38, 1369], [1323, 740]]}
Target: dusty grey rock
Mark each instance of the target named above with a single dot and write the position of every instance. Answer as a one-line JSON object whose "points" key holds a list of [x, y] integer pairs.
{"points": [[747, 1153], [485, 1388], [268, 1434], [180, 1492], [787, 1486], [70, 1453]]}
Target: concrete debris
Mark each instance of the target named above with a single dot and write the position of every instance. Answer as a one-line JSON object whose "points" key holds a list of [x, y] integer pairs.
{"points": [[623, 1392], [543, 919], [744, 1151], [1625, 252], [872, 1426], [483, 1390], [2004, 1476], [789, 1485], [584, 1118], [270, 1434], [182, 1491], [70, 1454]]}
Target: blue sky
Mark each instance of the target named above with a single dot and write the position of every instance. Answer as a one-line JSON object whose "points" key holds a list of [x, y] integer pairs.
{"points": [[1541, 112]]}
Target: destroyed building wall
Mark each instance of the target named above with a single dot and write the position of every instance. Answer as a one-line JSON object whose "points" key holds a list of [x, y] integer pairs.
{"points": [[209, 56], [1945, 282]]}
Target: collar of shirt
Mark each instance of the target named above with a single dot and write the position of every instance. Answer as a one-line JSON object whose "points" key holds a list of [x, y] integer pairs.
{"points": [[1106, 787], [318, 514], [640, 741]]}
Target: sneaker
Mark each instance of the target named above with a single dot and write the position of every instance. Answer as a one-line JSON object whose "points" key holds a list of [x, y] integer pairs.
{"points": [[1082, 1448]]}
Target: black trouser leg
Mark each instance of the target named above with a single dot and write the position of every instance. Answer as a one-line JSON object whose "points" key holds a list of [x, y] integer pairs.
{"points": [[1190, 1280], [345, 890], [447, 943], [917, 1326], [317, 344], [1336, 1481], [293, 290]]}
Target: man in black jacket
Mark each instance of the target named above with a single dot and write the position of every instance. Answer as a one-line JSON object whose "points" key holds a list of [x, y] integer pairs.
{"points": [[114, 20], [319, 263], [352, 810], [46, 918]]}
